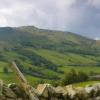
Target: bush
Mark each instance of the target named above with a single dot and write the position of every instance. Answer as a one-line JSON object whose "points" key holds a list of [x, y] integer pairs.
{"points": [[5, 70], [74, 77], [82, 76]]}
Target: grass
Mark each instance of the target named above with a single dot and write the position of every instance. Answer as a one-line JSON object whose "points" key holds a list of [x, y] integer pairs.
{"points": [[86, 69], [12, 78], [57, 58], [2, 65], [15, 41], [84, 84], [65, 59], [8, 78]]}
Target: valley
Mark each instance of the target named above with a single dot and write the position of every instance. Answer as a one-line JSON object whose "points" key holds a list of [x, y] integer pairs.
{"points": [[45, 55]]}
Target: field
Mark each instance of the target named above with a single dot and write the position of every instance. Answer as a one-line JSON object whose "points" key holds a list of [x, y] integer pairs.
{"points": [[45, 55], [64, 62], [84, 84], [11, 77]]}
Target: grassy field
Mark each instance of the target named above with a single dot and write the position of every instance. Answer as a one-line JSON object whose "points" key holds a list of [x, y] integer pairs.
{"points": [[47, 54], [84, 84], [63, 60], [86, 69], [11, 77]]}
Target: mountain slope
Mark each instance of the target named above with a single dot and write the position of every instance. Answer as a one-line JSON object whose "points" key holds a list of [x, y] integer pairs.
{"points": [[31, 36], [44, 53]]}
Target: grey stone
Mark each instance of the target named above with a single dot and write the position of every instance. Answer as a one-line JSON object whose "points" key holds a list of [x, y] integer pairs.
{"points": [[8, 92]]}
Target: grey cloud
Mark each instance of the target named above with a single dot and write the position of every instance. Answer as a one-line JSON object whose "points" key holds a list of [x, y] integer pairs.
{"points": [[79, 16]]}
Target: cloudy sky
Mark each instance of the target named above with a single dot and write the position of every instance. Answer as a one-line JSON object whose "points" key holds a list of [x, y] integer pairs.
{"points": [[79, 16]]}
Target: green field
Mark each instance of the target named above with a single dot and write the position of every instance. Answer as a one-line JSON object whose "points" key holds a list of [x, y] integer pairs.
{"points": [[84, 84], [45, 55], [63, 60]]}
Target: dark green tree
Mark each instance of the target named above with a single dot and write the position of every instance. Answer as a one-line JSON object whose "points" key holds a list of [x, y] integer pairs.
{"points": [[82, 76], [5, 70], [70, 78], [74, 77]]}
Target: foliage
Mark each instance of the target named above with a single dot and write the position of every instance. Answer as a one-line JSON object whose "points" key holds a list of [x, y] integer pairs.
{"points": [[5, 70], [74, 77]]}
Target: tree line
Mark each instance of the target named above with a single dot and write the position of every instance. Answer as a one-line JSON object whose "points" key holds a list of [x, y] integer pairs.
{"points": [[74, 77]]}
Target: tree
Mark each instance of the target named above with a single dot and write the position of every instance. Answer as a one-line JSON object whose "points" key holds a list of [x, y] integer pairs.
{"points": [[69, 78], [82, 76], [5, 70], [74, 77]]}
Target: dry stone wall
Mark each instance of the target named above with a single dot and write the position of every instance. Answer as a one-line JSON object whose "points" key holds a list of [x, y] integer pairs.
{"points": [[48, 92]]}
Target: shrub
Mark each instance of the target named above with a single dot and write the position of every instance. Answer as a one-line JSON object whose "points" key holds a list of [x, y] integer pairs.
{"points": [[5, 70], [74, 77]]}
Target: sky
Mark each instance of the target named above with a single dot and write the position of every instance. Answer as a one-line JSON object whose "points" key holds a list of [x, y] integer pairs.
{"points": [[78, 16]]}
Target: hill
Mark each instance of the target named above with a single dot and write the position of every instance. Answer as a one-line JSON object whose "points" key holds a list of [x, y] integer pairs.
{"points": [[46, 54]]}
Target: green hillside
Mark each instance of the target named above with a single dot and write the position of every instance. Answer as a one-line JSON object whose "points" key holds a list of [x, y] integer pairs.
{"points": [[44, 54]]}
